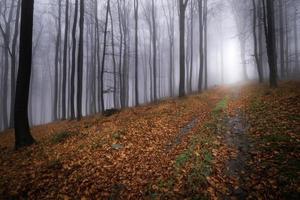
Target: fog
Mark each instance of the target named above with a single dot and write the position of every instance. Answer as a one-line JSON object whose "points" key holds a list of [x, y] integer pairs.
{"points": [[226, 62]]}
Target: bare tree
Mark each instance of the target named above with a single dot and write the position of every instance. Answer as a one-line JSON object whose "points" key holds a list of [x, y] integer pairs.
{"points": [[22, 131], [80, 61], [182, 10], [269, 25], [64, 75]]}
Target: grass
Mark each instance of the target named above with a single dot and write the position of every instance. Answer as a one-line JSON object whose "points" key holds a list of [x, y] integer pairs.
{"points": [[60, 137], [222, 105]]}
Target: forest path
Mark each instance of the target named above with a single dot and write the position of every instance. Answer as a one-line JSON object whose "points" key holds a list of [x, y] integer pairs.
{"points": [[237, 140]]}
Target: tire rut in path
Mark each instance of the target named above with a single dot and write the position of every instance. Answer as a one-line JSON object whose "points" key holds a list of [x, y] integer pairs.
{"points": [[236, 138]]}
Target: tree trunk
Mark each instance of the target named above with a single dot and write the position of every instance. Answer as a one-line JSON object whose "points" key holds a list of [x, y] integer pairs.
{"points": [[73, 68], [22, 131], [80, 62], [200, 9], [103, 58], [256, 56], [154, 48], [296, 41], [281, 37], [14, 63], [56, 63], [271, 40], [205, 45], [64, 75], [182, 9], [136, 10]]}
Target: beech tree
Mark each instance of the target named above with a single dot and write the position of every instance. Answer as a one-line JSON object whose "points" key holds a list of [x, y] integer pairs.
{"points": [[22, 132]]}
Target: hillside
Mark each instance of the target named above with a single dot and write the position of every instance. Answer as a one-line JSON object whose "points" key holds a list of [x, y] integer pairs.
{"points": [[233, 141]]}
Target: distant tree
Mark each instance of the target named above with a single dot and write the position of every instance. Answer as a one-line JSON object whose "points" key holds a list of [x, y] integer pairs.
{"points": [[205, 44], [256, 48], [182, 10], [64, 75], [154, 49], [80, 61], [22, 131], [73, 67], [296, 38], [201, 56], [170, 15], [56, 64], [269, 24], [14, 57], [136, 11], [103, 57]]}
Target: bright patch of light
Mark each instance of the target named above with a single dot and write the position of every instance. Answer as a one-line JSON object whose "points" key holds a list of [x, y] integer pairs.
{"points": [[233, 65]]}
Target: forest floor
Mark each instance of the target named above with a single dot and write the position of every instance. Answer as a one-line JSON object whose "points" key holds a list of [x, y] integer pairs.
{"points": [[233, 142]]}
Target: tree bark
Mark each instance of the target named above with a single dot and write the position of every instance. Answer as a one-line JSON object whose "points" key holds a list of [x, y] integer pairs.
{"points": [[64, 75], [200, 9], [22, 131], [80, 62], [73, 68], [182, 10]]}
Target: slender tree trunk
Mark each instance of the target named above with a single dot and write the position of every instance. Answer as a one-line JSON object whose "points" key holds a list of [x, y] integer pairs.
{"points": [[14, 63], [271, 40], [80, 62], [260, 41], [22, 131], [256, 56], [296, 41], [120, 56], [136, 10], [56, 63], [205, 45], [64, 75], [192, 47], [200, 9], [281, 37], [154, 48], [103, 57], [286, 40], [113, 58], [73, 69], [182, 9]]}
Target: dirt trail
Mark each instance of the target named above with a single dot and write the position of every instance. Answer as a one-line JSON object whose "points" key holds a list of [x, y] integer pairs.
{"points": [[236, 138]]}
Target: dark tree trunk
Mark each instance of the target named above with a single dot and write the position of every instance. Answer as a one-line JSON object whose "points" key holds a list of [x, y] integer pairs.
{"points": [[73, 67], [136, 10], [80, 62], [296, 41], [200, 9], [271, 40], [182, 9], [281, 36], [22, 130], [64, 75], [56, 63]]}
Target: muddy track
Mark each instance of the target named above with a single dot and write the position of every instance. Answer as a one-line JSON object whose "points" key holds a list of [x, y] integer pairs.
{"points": [[236, 139]]}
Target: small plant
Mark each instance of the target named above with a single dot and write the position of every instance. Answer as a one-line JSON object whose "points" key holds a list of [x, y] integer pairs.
{"points": [[54, 164], [60, 137], [182, 159], [222, 105]]}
